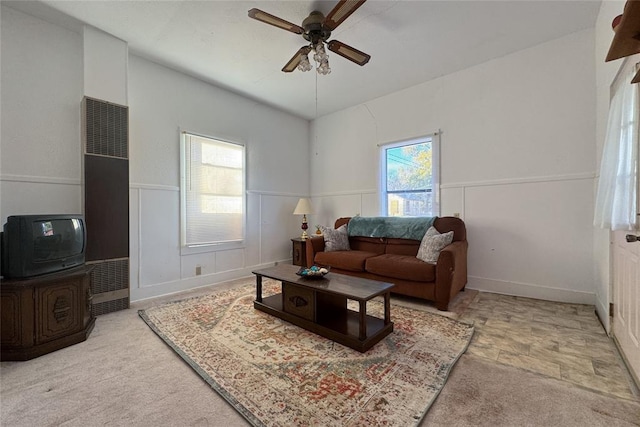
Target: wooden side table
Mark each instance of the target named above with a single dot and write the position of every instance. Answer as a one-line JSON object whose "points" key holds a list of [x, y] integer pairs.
{"points": [[299, 253]]}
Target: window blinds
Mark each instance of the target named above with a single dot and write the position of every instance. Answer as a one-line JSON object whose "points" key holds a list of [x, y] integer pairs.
{"points": [[213, 191]]}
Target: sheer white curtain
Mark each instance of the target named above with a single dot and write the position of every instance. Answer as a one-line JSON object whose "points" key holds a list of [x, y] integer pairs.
{"points": [[616, 201]]}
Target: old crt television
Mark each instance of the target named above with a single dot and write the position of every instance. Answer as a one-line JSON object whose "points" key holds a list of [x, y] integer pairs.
{"points": [[39, 244]]}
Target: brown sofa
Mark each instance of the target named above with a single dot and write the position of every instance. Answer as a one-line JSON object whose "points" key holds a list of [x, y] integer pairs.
{"points": [[394, 260]]}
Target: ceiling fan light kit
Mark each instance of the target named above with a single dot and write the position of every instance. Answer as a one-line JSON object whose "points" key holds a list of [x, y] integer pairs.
{"points": [[316, 28]]}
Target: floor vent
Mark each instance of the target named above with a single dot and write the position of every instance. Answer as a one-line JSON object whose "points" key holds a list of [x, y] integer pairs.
{"points": [[109, 285], [110, 306]]}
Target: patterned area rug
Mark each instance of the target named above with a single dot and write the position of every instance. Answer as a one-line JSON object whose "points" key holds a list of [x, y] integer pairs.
{"points": [[277, 374]]}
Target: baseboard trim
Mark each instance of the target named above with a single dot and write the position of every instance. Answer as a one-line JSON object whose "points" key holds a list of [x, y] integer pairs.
{"points": [[634, 381], [527, 290], [181, 285], [603, 316]]}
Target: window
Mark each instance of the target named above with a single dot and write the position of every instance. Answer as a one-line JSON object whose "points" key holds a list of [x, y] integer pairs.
{"points": [[212, 188], [409, 178]]}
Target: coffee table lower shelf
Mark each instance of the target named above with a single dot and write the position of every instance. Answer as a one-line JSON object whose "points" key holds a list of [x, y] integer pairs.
{"points": [[342, 326]]}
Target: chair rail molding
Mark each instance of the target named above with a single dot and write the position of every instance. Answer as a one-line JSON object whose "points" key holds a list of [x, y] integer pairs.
{"points": [[531, 180]]}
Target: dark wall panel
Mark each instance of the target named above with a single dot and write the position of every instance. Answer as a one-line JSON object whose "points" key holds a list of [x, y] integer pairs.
{"points": [[106, 207]]}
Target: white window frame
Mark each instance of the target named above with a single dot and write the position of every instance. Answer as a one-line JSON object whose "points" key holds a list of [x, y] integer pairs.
{"points": [[186, 248], [435, 169]]}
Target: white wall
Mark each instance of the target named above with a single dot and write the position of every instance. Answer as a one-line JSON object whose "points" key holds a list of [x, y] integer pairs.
{"points": [[40, 166], [105, 66], [517, 157], [517, 162], [162, 102], [45, 71]]}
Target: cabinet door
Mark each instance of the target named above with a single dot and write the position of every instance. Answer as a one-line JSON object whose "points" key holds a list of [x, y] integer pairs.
{"points": [[299, 255], [59, 310], [16, 308]]}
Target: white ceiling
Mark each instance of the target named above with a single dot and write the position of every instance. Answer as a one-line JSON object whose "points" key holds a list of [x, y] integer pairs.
{"points": [[409, 41]]}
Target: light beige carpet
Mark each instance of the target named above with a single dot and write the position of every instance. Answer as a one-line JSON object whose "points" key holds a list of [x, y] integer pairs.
{"points": [[123, 375], [277, 374]]}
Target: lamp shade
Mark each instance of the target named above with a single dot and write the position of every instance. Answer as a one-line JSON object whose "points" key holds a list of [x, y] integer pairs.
{"points": [[303, 207]]}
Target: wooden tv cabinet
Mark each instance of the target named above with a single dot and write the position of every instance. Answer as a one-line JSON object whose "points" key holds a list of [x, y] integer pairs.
{"points": [[44, 313]]}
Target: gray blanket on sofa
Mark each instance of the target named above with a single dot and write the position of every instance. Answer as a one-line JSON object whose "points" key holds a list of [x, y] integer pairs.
{"points": [[394, 227]]}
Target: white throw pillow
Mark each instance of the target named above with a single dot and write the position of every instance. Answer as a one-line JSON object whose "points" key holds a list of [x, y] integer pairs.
{"points": [[336, 239], [432, 243]]}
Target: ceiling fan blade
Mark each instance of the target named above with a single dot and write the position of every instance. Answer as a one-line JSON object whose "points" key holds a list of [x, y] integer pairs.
{"points": [[268, 18], [626, 40], [293, 62], [348, 52], [340, 12]]}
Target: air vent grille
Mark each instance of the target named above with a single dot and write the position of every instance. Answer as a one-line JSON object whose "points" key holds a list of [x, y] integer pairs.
{"points": [[110, 285], [109, 276], [110, 306], [106, 128]]}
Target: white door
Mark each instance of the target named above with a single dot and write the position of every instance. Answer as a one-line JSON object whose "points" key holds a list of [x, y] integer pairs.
{"points": [[626, 296], [625, 260]]}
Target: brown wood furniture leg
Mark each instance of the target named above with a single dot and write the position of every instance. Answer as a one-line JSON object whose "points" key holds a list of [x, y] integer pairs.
{"points": [[363, 321], [387, 308], [258, 288]]}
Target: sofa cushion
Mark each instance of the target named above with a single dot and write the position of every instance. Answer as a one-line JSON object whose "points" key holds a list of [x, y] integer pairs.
{"points": [[344, 260], [335, 239], [401, 267], [432, 243], [368, 244], [402, 247]]}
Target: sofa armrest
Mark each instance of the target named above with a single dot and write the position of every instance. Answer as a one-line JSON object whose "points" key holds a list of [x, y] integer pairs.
{"points": [[451, 272], [314, 245]]}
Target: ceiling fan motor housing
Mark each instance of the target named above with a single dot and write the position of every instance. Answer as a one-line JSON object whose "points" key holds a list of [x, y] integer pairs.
{"points": [[314, 30]]}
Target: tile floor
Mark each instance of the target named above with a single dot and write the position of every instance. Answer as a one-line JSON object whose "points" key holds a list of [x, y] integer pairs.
{"points": [[559, 340]]}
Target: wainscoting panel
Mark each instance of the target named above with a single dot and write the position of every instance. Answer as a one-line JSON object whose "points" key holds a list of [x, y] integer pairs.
{"points": [[159, 236], [230, 260], [528, 290], [134, 238], [531, 233], [157, 265], [527, 237], [252, 251]]}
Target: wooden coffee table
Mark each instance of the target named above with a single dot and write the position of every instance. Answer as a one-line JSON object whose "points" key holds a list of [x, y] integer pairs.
{"points": [[320, 305]]}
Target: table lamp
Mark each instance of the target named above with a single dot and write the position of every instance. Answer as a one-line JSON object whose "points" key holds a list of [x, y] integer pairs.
{"points": [[303, 208]]}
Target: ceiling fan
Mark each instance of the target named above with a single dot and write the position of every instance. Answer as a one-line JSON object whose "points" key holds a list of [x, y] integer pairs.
{"points": [[316, 29]]}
